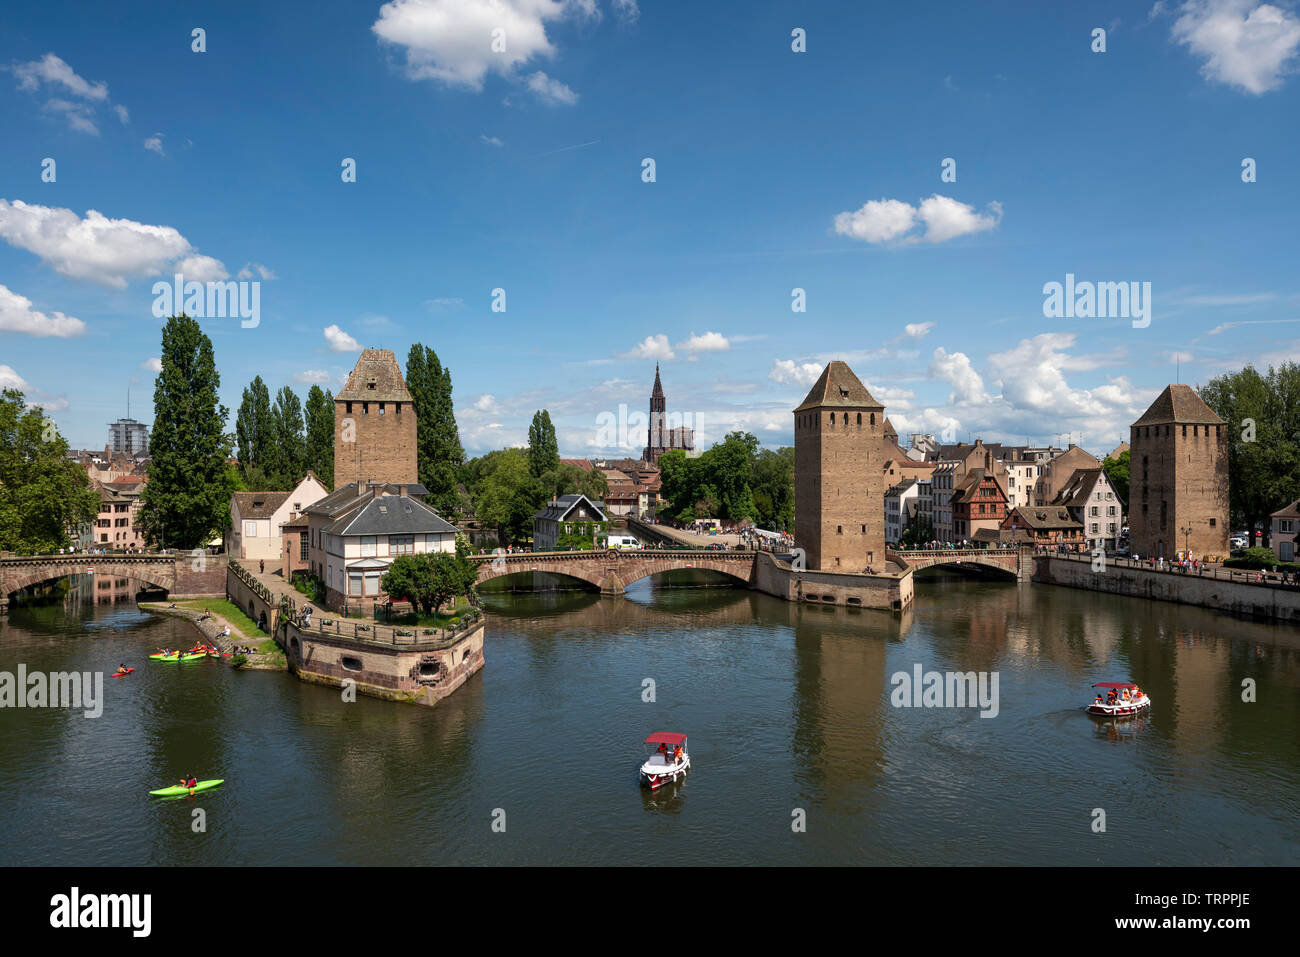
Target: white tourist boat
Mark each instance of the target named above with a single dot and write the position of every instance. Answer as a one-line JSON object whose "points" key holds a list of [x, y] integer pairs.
{"points": [[668, 762], [1123, 699]]}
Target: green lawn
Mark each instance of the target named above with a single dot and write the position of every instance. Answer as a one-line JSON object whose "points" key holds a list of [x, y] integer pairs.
{"points": [[240, 624]]}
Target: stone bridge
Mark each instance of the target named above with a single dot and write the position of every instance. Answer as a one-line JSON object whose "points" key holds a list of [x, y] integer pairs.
{"points": [[612, 570], [1017, 562], [179, 574]]}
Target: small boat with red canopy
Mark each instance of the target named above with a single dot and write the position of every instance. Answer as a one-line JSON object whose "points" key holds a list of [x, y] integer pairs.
{"points": [[669, 760], [1121, 699]]}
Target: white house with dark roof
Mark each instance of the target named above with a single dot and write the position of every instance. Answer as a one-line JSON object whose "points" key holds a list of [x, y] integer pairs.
{"points": [[354, 534], [1094, 504], [567, 515], [1284, 524], [257, 519]]}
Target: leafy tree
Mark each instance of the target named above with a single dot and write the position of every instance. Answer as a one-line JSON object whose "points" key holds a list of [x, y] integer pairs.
{"points": [[438, 450], [773, 488], [44, 497], [429, 580], [543, 447], [507, 495], [1117, 470], [719, 483], [187, 498], [567, 479], [255, 433], [918, 532], [289, 447], [1263, 434], [318, 454]]}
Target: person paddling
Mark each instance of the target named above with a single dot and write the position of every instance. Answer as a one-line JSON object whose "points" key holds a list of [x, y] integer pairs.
{"points": [[190, 782], [121, 669]]}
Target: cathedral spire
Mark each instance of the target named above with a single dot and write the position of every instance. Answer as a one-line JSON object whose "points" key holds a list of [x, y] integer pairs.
{"points": [[658, 389]]}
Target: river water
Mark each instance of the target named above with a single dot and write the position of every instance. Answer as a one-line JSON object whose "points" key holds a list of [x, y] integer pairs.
{"points": [[790, 720]]}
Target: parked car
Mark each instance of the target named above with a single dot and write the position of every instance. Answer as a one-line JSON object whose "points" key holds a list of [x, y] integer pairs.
{"points": [[1122, 552]]}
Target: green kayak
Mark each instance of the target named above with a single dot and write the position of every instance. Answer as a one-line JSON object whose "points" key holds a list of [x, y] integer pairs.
{"points": [[184, 657], [177, 790]]}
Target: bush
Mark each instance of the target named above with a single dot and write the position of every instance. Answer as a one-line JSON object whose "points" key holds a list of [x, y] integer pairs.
{"points": [[239, 661], [1254, 564]]}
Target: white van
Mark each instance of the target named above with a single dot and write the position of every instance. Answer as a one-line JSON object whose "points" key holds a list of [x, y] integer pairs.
{"points": [[623, 541]]}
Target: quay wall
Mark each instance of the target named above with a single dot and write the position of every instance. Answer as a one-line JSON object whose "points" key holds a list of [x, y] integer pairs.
{"points": [[1241, 598], [421, 675], [776, 578], [207, 582], [251, 601]]}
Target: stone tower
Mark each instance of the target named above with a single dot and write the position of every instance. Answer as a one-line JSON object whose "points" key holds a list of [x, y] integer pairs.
{"points": [[839, 486], [1178, 477], [374, 424]]}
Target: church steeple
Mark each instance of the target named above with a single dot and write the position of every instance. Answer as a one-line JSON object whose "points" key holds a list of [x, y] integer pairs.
{"points": [[658, 392]]}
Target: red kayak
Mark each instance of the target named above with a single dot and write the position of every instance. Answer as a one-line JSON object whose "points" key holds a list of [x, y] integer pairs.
{"points": [[122, 674]]}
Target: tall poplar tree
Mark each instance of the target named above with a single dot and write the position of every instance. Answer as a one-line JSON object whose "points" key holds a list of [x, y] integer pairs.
{"points": [[543, 447], [438, 450], [289, 446], [186, 501], [319, 455], [255, 436]]}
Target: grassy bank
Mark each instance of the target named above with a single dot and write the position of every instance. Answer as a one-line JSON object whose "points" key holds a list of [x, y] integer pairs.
{"points": [[241, 626]]}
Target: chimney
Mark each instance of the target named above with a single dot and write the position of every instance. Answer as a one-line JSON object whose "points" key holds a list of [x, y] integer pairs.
{"points": [[401, 491], [361, 489]]}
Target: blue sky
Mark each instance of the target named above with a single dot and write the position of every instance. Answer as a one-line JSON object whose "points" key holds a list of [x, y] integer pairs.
{"points": [[522, 170]]}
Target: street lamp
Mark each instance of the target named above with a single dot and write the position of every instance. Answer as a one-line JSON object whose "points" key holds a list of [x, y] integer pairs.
{"points": [[1187, 531]]}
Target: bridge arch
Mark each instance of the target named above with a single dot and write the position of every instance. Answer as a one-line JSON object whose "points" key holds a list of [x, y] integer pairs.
{"points": [[19, 573]]}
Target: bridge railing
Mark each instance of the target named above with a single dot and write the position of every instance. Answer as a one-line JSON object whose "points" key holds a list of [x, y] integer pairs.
{"points": [[605, 553]]}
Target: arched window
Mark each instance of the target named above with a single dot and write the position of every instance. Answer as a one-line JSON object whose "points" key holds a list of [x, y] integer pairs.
{"points": [[832, 418], [873, 420], [859, 418]]}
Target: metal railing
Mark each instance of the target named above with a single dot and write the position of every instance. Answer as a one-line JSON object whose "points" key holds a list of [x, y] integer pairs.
{"points": [[1247, 576], [392, 636]]}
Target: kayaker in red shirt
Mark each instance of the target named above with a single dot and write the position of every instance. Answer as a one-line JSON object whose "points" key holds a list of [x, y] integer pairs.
{"points": [[189, 781]]}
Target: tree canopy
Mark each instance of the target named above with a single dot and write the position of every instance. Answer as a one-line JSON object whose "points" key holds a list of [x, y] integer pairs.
{"points": [[318, 451], [543, 447], [44, 497], [187, 498], [1263, 432], [734, 480], [438, 449]]}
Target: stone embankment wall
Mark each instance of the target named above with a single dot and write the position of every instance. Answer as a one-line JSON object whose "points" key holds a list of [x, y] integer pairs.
{"points": [[207, 581], [421, 675], [772, 577], [1241, 598], [211, 631]]}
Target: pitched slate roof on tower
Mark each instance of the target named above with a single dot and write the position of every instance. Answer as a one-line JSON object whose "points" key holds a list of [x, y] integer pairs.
{"points": [[838, 387], [658, 390], [1179, 403], [376, 377]]}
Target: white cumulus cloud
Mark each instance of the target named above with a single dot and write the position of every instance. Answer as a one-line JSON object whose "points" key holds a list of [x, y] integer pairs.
{"points": [[313, 376], [9, 379], [340, 341], [550, 90], [96, 248], [17, 315], [152, 365], [944, 218], [790, 372], [1244, 44], [955, 368], [652, 347]]}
